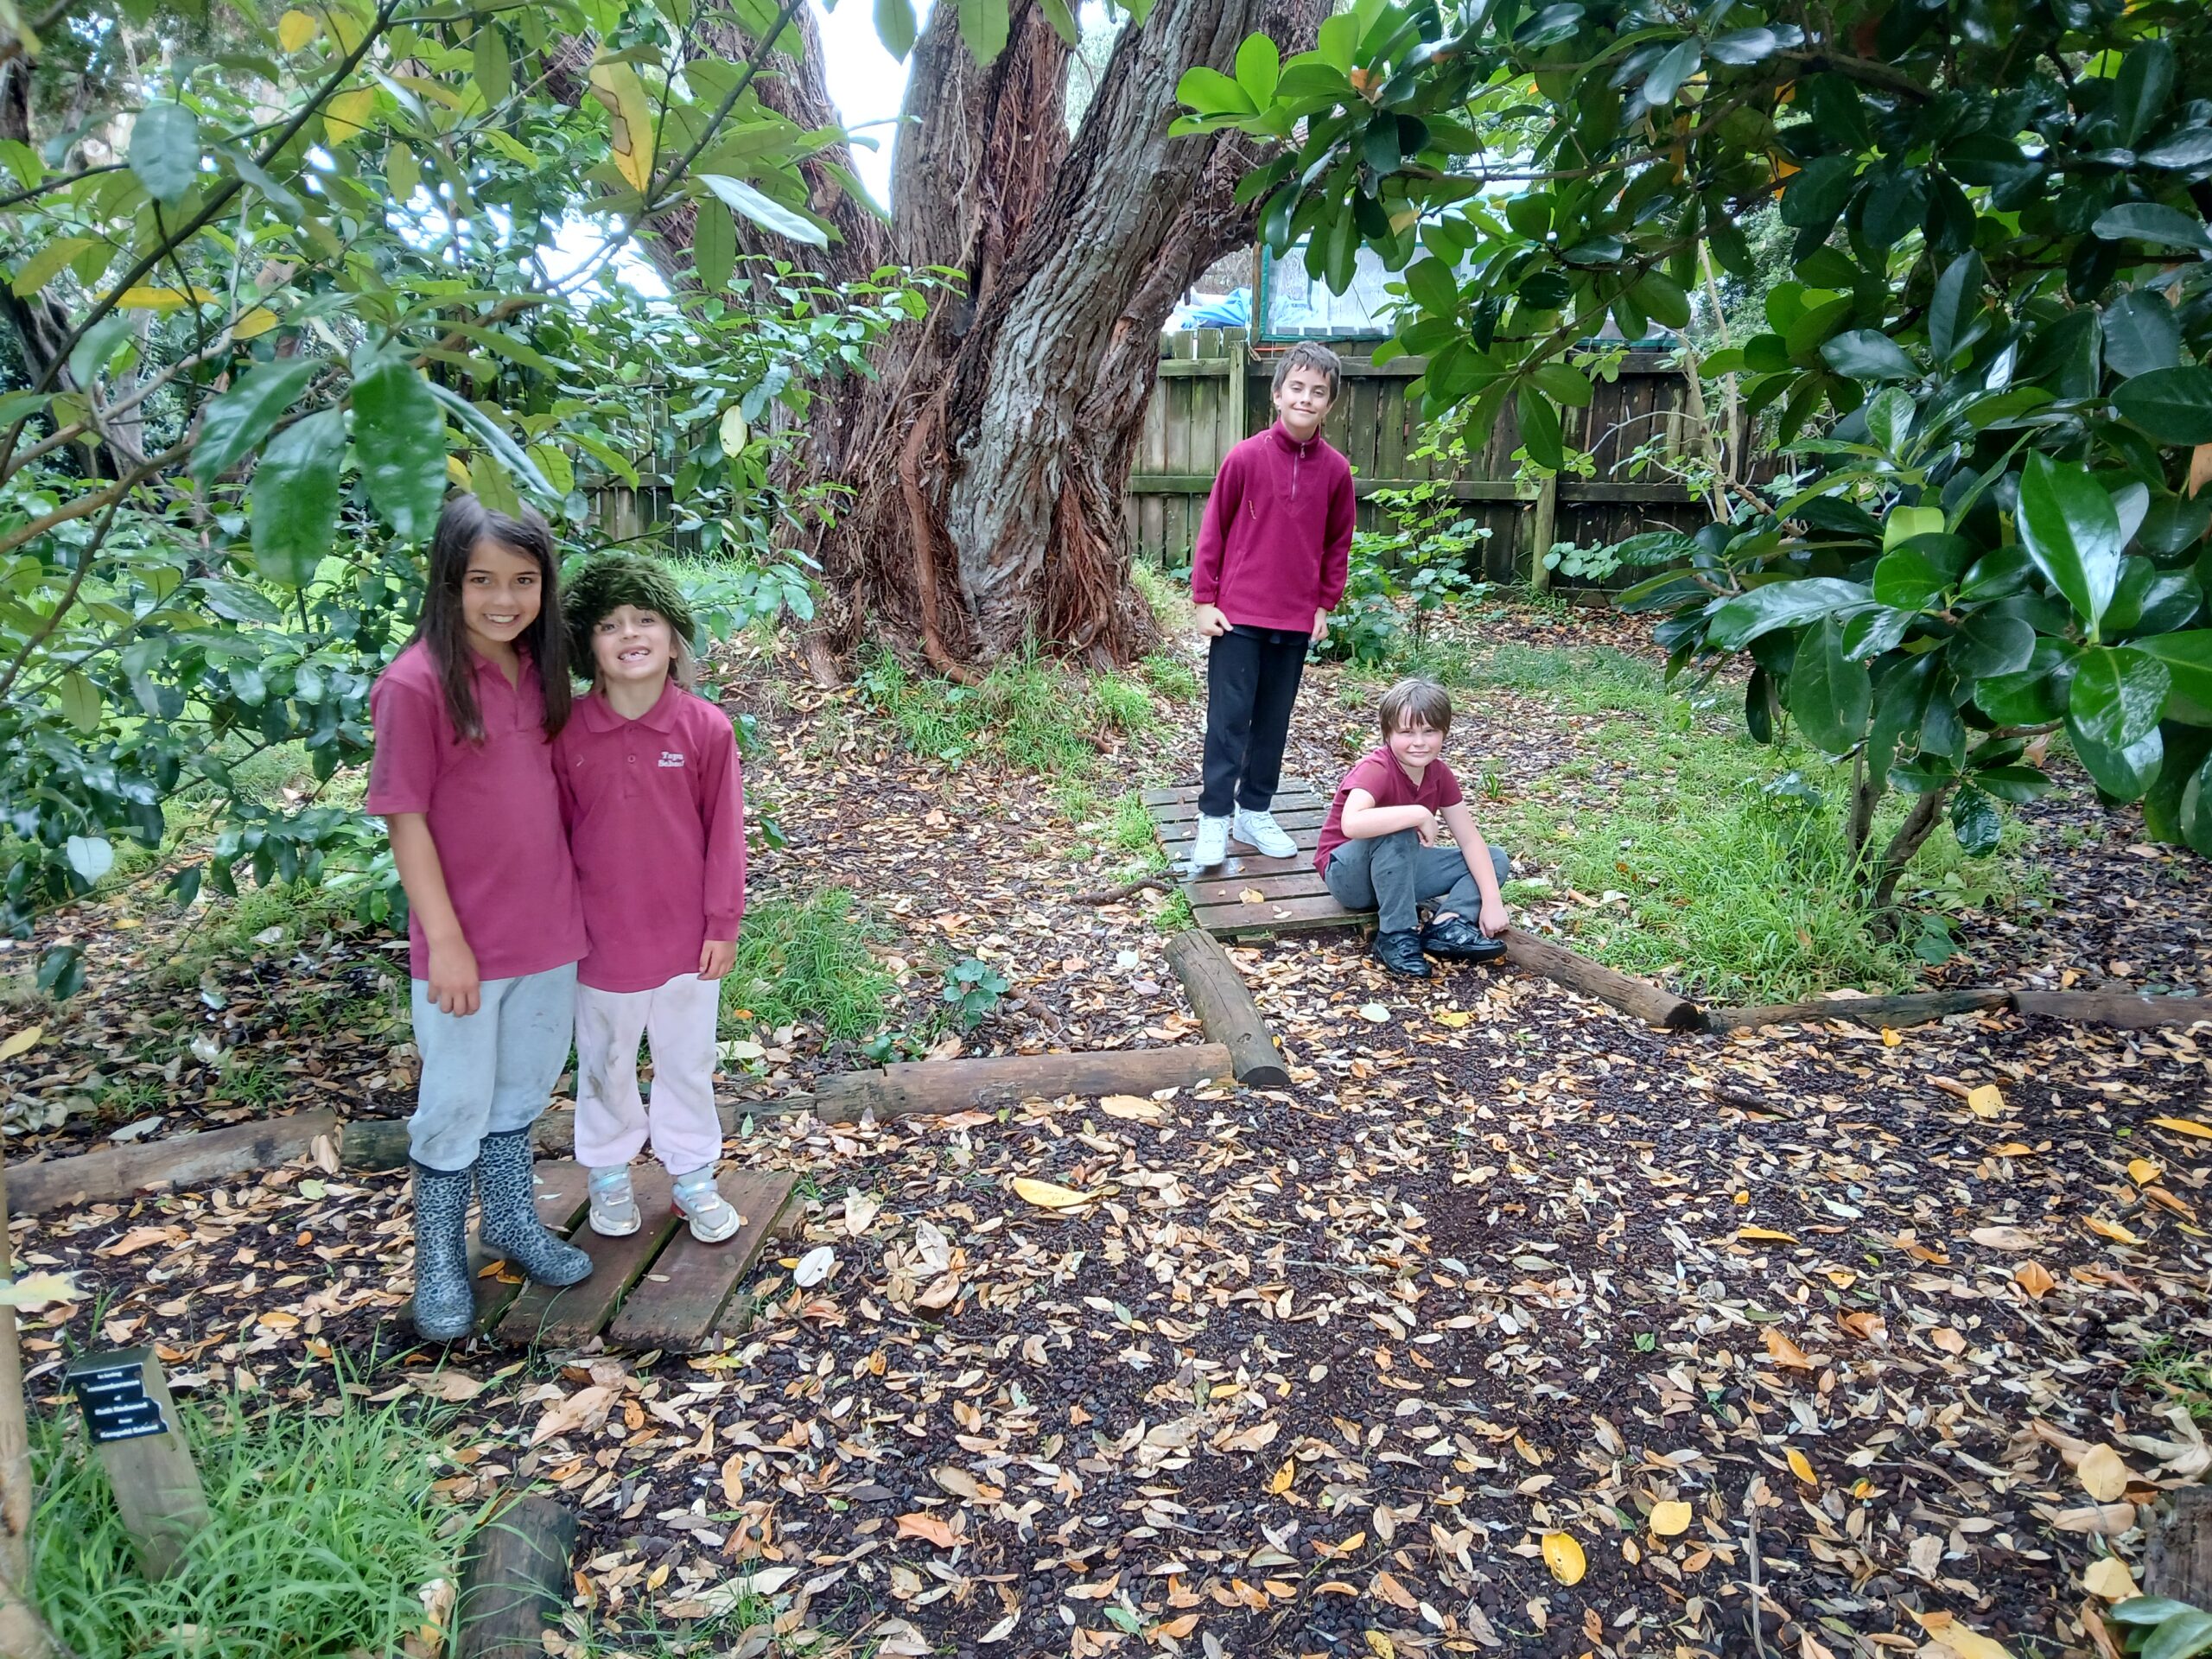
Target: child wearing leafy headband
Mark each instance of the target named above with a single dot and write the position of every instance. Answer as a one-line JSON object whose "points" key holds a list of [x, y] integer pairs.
{"points": [[655, 807]]}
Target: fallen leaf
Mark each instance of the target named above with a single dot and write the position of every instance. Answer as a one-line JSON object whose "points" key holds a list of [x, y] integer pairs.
{"points": [[1454, 1018], [2102, 1474], [1394, 1592], [2003, 1238], [1003, 1629], [2099, 1519], [2031, 1277], [2011, 1149], [934, 1247], [1800, 1465], [1986, 1101], [1766, 1233], [1841, 1278], [1374, 1012], [1045, 1196], [1279, 1483], [1381, 1645], [1135, 1108], [928, 1528], [2108, 1577], [2185, 1126], [1951, 1637], [1892, 1037], [2111, 1229], [452, 1387], [1786, 1352], [1564, 1558], [2143, 1172], [860, 1211], [1867, 1327], [1670, 1519], [1947, 1339], [1252, 896], [814, 1266], [582, 1412], [21, 1043]]}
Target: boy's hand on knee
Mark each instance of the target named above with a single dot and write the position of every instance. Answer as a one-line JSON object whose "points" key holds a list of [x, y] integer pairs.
{"points": [[717, 958], [1425, 827], [1211, 623], [453, 984], [1493, 920]]}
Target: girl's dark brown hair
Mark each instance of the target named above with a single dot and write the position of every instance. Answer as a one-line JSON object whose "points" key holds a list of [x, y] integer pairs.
{"points": [[443, 628]]}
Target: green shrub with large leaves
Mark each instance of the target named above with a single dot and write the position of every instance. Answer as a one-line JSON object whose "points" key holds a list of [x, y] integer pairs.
{"points": [[1995, 332], [314, 288]]}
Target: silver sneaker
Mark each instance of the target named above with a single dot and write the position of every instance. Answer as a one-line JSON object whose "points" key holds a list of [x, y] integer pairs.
{"points": [[1261, 832], [613, 1205], [1211, 847], [712, 1216]]}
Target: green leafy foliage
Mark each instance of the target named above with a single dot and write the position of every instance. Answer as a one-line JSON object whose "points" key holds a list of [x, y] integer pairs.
{"points": [[972, 990], [1989, 352]]}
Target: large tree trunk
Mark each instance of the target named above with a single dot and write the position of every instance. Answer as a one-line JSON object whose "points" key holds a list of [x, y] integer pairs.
{"points": [[987, 458]]}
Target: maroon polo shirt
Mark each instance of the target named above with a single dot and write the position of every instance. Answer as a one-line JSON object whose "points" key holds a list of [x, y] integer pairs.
{"points": [[493, 809], [1275, 542], [656, 814], [1379, 773]]}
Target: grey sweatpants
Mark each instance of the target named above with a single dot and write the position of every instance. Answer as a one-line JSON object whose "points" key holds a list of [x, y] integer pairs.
{"points": [[1393, 874], [490, 1071]]}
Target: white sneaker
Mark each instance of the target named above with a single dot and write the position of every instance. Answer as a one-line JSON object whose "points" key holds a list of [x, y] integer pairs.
{"points": [[1212, 846], [613, 1205], [712, 1216], [1259, 831]]}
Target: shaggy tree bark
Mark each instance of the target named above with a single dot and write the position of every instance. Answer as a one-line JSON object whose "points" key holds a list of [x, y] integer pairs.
{"points": [[987, 459]]}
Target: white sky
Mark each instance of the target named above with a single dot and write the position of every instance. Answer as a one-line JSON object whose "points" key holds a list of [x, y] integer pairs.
{"points": [[866, 83]]}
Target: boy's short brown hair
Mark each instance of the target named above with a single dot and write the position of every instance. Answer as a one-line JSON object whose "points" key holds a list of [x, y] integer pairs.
{"points": [[1310, 354], [1416, 703]]}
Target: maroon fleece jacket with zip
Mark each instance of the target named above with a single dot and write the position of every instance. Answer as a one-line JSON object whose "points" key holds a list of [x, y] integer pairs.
{"points": [[1276, 539]]}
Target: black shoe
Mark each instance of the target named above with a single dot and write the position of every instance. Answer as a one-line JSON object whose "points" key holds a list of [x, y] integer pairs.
{"points": [[1457, 939], [1400, 953]]}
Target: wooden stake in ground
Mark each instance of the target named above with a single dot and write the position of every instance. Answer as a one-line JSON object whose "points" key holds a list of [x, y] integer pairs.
{"points": [[23, 1634], [132, 1424], [1653, 1004], [514, 1576], [1223, 1004]]}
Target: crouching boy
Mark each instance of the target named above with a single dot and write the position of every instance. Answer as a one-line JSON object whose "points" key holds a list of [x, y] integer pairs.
{"points": [[1377, 849]]}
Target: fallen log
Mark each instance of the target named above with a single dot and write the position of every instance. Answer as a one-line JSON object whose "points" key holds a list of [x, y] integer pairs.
{"points": [[1223, 1004], [1653, 1004], [938, 1087], [373, 1143], [122, 1173], [2124, 1008], [1913, 1008], [514, 1578]]}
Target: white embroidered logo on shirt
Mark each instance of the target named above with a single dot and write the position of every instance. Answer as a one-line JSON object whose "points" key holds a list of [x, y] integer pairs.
{"points": [[667, 759]]}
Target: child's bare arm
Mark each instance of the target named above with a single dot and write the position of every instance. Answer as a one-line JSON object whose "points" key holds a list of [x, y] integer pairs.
{"points": [[1476, 851], [1363, 819], [452, 984]]}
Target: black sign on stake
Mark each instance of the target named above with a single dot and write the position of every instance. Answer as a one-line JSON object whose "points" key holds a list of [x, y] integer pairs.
{"points": [[112, 1389], [132, 1424]]}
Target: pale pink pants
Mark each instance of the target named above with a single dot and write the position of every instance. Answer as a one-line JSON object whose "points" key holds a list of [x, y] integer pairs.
{"points": [[611, 1121]]}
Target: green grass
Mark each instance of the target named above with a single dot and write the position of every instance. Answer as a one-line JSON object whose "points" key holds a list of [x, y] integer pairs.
{"points": [[2182, 1374], [324, 1530], [1738, 891], [1170, 676], [805, 961], [1029, 714]]}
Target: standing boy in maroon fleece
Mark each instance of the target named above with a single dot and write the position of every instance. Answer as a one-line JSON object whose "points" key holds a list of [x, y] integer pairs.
{"points": [[1269, 567]]}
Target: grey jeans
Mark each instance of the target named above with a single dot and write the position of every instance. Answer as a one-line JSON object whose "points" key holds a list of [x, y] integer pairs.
{"points": [[490, 1071], [1393, 874]]}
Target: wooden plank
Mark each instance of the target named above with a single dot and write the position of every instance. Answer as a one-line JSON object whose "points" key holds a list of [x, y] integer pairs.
{"points": [[1213, 892], [1169, 796], [563, 1192], [1234, 411], [1290, 916], [1238, 865], [2123, 1008], [1223, 1004], [179, 1160], [676, 1303], [514, 1579], [1390, 445], [1185, 830], [1287, 800], [943, 1086], [543, 1315], [1912, 1008]]}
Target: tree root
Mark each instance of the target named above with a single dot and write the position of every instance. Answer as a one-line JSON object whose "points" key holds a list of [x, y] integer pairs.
{"points": [[1114, 895]]}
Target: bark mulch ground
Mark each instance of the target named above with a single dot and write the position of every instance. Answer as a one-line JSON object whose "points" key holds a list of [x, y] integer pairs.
{"points": [[1808, 1328]]}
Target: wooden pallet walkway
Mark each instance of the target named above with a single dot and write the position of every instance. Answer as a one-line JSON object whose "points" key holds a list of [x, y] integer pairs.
{"points": [[1291, 896], [659, 1288]]}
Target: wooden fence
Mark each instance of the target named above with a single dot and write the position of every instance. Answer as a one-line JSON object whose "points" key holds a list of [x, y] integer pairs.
{"points": [[1214, 390]]}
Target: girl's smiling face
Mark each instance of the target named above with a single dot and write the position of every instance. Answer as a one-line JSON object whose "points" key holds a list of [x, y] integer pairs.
{"points": [[631, 646], [1414, 746], [500, 593]]}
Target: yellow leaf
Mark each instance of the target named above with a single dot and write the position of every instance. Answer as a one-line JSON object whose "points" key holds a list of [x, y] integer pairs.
{"points": [[1783, 1352], [2143, 1172], [1986, 1101], [346, 116], [296, 29], [1801, 1466], [1767, 1233], [2011, 1149], [2034, 1278], [1252, 896], [1890, 1039], [162, 299], [457, 471], [1381, 1646], [1135, 1108], [630, 119], [1045, 1196], [254, 324], [1564, 1558], [1841, 1278], [21, 1043], [2101, 1473], [1945, 1632], [1671, 1518], [1279, 1483], [1453, 1018], [2111, 1229], [2185, 1126], [2108, 1577]]}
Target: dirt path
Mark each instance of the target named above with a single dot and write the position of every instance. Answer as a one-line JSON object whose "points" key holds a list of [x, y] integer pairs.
{"points": [[1321, 1368]]}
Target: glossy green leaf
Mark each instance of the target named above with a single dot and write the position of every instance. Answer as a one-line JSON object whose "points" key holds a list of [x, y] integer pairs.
{"points": [[2188, 658], [1743, 619], [714, 247], [1433, 287], [2140, 334], [1259, 66], [1677, 65], [489, 64], [1976, 821], [235, 423], [1815, 195], [1540, 434], [2069, 527], [1956, 316], [2160, 226], [770, 216], [492, 437], [165, 150], [894, 27], [1663, 298], [1864, 354], [1990, 643], [1211, 92], [1906, 579], [984, 26], [2145, 1610], [79, 702], [399, 437], [294, 498], [2188, 148], [1829, 693], [2118, 697], [2195, 814], [494, 485], [2123, 774], [2143, 87], [1743, 45], [2173, 406], [1563, 383], [2183, 1637]]}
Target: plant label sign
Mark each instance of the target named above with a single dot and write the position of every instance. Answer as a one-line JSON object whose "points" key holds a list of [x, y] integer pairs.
{"points": [[111, 1388]]}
